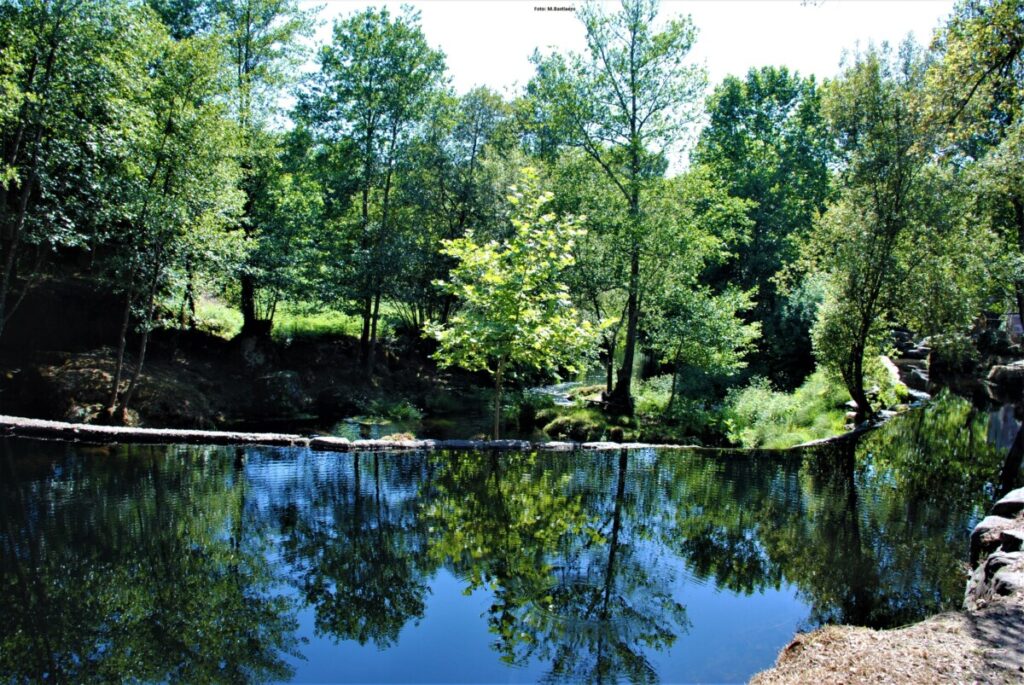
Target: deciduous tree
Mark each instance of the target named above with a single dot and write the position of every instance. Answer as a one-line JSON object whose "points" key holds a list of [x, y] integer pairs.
{"points": [[514, 308]]}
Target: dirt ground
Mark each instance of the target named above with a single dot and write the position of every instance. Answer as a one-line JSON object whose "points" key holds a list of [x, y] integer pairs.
{"points": [[985, 646]]}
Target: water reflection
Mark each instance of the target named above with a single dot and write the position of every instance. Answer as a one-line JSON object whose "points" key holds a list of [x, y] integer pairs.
{"points": [[200, 564], [134, 565]]}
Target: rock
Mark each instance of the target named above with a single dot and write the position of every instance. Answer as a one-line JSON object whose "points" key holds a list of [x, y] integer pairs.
{"points": [[278, 395], [1009, 377], [601, 445], [918, 379], [918, 395], [1010, 505], [894, 372], [985, 536], [330, 444], [555, 446], [509, 444], [1012, 539], [458, 444], [1000, 560], [919, 352], [256, 350], [1007, 582]]}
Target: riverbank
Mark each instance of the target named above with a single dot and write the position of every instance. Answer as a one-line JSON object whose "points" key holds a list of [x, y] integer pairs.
{"points": [[984, 643]]}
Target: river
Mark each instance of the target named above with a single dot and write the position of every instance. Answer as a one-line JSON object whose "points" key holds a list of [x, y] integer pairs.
{"points": [[214, 564]]}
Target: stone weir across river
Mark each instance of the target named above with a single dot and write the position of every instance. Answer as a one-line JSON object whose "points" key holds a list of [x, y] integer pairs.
{"points": [[88, 433]]}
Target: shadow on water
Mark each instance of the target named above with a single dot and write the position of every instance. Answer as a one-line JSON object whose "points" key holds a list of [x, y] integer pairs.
{"points": [[203, 564]]}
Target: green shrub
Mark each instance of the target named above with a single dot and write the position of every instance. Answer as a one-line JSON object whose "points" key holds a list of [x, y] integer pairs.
{"points": [[652, 395], [526, 410], [580, 424], [759, 416], [400, 410], [952, 354]]}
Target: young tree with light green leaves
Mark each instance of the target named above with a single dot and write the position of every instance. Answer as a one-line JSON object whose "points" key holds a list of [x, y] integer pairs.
{"points": [[513, 308]]}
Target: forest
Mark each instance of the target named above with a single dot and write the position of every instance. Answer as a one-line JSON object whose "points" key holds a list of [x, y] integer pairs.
{"points": [[198, 166]]}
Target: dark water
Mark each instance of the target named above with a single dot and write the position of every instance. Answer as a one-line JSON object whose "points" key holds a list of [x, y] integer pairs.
{"points": [[204, 564]]}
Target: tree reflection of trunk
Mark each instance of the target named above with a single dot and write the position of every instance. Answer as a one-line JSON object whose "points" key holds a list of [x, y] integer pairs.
{"points": [[357, 498], [613, 550], [860, 605], [40, 610]]}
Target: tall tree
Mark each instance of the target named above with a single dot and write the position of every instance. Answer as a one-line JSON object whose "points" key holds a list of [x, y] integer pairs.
{"points": [[446, 184], [861, 241], [624, 103], [976, 96], [263, 51], [375, 81], [766, 142], [58, 80], [177, 179]]}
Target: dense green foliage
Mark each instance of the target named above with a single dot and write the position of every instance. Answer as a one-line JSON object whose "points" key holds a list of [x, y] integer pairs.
{"points": [[150, 141], [514, 308]]}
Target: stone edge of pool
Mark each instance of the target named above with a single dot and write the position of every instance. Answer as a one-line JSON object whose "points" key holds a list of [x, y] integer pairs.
{"points": [[18, 426]]}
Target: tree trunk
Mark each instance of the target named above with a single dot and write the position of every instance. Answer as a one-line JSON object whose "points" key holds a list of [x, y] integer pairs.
{"points": [[12, 241], [248, 303], [1018, 212], [856, 386], [364, 338], [122, 408], [609, 364], [122, 343], [372, 355], [497, 399], [621, 399], [613, 541]]}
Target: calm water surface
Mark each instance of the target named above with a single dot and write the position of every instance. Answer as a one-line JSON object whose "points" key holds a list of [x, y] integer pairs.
{"points": [[209, 564]]}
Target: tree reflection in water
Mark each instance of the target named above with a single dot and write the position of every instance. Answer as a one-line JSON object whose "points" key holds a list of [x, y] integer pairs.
{"points": [[193, 564], [122, 566]]}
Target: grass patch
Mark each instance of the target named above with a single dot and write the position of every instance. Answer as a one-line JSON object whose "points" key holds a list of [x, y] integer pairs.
{"points": [[218, 318], [759, 416], [290, 321], [296, 321]]}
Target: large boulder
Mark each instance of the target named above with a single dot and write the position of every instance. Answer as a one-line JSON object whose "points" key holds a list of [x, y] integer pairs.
{"points": [[1009, 377], [996, 557]]}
